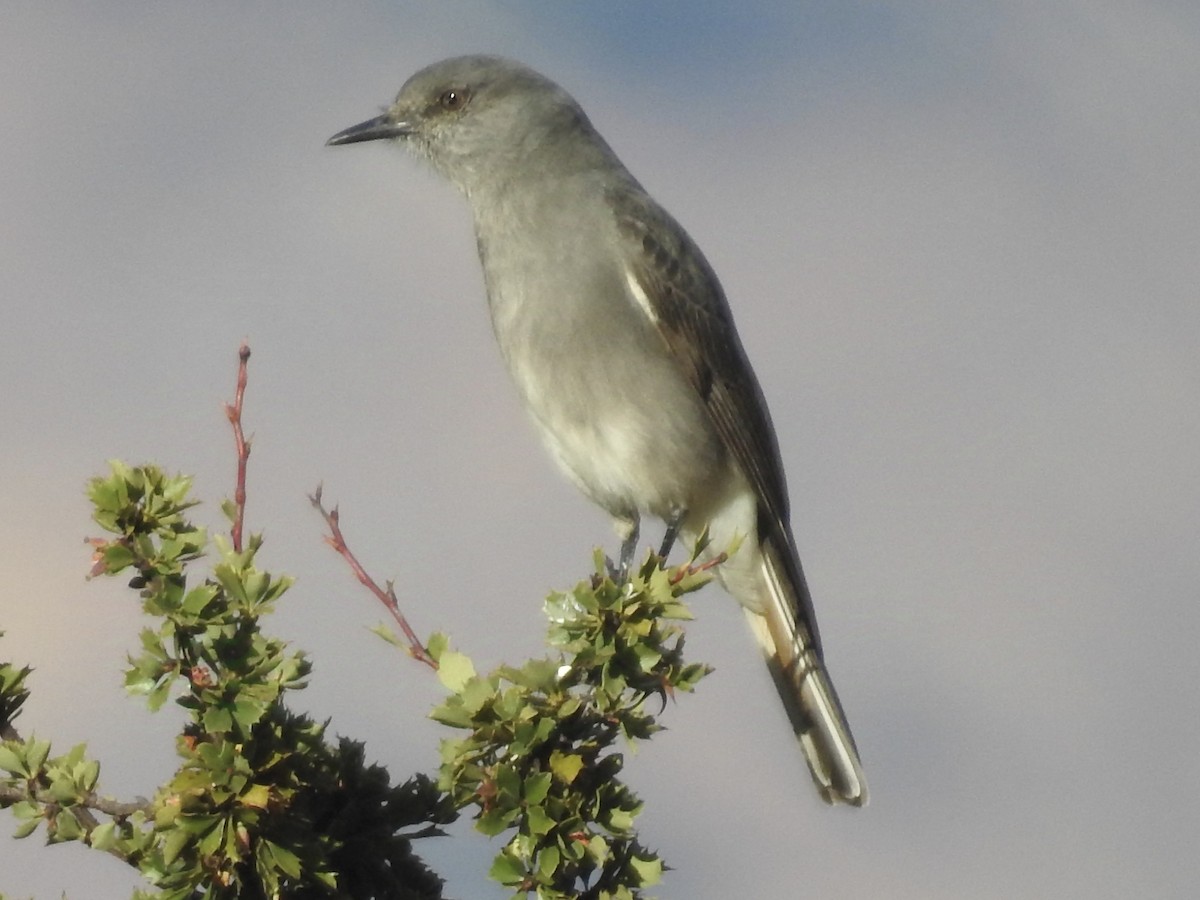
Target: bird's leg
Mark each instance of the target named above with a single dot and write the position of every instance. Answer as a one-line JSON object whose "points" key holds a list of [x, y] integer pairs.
{"points": [[672, 532], [628, 529]]}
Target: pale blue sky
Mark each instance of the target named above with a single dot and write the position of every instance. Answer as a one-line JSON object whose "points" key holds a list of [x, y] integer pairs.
{"points": [[961, 244]]}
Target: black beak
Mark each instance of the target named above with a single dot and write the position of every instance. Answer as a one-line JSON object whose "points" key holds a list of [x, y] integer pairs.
{"points": [[377, 129]]}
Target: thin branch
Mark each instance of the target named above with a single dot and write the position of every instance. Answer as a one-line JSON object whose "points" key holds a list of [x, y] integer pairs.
{"points": [[386, 596], [83, 810], [427, 831], [116, 808], [696, 568], [233, 412]]}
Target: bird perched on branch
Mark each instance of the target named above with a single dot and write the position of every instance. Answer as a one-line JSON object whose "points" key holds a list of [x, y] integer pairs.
{"points": [[623, 348]]}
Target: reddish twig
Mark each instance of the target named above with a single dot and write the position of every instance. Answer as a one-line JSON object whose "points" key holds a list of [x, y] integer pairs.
{"points": [[684, 571], [233, 412], [385, 595]]}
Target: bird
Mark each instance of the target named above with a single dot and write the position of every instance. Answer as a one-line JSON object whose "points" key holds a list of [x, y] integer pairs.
{"points": [[622, 346]]}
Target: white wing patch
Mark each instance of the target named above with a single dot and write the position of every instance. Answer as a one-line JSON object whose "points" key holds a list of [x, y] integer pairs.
{"points": [[640, 295]]}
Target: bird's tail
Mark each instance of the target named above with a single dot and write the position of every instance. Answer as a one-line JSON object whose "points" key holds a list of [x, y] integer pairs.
{"points": [[786, 630]]}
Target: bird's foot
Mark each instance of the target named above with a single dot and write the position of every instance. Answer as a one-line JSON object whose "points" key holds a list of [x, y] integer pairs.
{"points": [[671, 533], [629, 529]]}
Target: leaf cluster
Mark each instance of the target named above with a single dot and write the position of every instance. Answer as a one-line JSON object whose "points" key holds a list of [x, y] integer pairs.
{"points": [[13, 694], [542, 756], [262, 805], [58, 788]]}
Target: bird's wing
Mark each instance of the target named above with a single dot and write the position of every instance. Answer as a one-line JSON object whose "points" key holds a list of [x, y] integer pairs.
{"points": [[687, 305], [671, 279], [681, 293]]}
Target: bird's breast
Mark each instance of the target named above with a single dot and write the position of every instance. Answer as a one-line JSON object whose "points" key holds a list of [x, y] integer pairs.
{"points": [[612, 406]]}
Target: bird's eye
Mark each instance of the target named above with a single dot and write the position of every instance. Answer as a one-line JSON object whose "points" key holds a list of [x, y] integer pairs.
{"points": [[454, 99]]}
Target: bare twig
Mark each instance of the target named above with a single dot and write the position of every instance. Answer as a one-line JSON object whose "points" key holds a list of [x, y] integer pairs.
{"points": [[385, 595], [233, 412]]}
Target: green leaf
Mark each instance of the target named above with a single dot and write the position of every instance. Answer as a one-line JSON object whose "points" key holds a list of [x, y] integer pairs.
{"points": [[217, 720], [476, 694], [597, 848], [647, 657], [649, 871], [562, 609], [285, 860], [495, 821], [455, 670], [256, 582], [437, 644], [117, 557], [538, 821], [248, 713], [66, 827], [104, 836], [198, 598], [507, 870], [508, 782], [257, 796], [548, 861], [565, 766], [11, 761], [454, 716], [158, 694], [388, 635], [26, 828], [619, 821], [212, 839], [74, 756], [62, 789], [87, 774], [537, 786], [36, 752], [173, 844]]}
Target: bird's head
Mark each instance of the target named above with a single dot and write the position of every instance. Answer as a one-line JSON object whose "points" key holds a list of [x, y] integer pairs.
{"points": [[482, 120]]}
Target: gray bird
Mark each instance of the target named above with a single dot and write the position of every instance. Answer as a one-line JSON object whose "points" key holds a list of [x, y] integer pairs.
{"points": [[620, 341]]}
